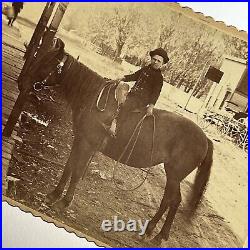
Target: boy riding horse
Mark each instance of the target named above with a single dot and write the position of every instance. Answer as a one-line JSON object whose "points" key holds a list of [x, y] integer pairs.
{"points": [[147, 88]]}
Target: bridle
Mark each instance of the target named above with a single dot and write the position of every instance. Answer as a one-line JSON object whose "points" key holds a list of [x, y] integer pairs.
{"points": [[40, 85], [129, 148]]}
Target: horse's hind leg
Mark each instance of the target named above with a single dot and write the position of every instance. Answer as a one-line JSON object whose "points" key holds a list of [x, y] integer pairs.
{"points": [[174, 200], [173, 207], [57, 192], [84, 152], [162, 209]]}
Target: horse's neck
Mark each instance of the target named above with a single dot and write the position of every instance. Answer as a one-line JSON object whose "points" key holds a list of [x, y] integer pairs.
{"points": [[81, 85]]}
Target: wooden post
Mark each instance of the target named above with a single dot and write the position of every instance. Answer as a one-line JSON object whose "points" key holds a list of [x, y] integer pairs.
{"points": [[41, 27], [197, 83], [51, 31], [36, 38], [15, 113], [47, 41]]}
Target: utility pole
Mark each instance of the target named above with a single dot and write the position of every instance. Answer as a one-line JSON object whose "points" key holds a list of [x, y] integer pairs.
{"points": [[36, 38], [196, 85], [46, 35], [52, 29]]}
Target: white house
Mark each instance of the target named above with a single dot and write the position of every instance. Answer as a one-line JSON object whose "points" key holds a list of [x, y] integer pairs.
{"points": [[231, 92]]}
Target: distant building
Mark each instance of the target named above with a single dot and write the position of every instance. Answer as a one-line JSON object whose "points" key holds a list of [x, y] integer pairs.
{"points": [[232, 91]]}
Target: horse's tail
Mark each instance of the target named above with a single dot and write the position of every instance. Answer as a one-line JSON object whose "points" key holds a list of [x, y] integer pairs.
{"points": [[201, 179]]}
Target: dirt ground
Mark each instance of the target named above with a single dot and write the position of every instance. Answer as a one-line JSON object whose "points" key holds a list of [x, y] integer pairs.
{"points": [[221, 220]]}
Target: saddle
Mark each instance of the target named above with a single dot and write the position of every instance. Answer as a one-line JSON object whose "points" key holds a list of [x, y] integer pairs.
{"points": [[120, 95], [112, 128]]}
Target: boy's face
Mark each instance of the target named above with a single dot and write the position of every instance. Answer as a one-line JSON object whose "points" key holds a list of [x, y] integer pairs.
{"points": [[157, 61]]}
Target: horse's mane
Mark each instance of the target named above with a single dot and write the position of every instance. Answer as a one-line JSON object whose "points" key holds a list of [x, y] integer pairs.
{"points": [[81, 84]]}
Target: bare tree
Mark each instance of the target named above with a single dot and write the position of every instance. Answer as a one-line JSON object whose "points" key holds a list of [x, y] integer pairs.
{"points": [[132, 31], [124, 21], [167, 26], [236, 47], [189, 56]]}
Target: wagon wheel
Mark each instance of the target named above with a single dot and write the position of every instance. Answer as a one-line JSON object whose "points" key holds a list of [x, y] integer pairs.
{"points": [[246, 141], [235, 133], [245, 147], [241, 140], [222, 128], [204, 120], [238, 140], [203, 123]]}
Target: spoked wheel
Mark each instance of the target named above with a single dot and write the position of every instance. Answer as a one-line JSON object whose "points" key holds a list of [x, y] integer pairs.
{"points": [[245, 147], [222, 130], [242, 141], [203, 123]]}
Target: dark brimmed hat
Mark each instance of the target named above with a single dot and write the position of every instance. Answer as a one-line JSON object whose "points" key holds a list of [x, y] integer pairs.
{"points": [[160, 52]]}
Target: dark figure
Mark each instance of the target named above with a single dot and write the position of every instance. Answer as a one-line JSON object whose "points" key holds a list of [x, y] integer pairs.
{"points": [[147, 88], [240, 115], [149, 81], [17, 6]]}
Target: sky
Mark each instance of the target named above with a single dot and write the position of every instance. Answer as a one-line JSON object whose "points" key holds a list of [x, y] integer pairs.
{"points": [[232, 13]]}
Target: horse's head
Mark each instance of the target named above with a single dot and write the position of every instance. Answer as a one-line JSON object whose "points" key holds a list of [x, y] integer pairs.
{"points": [[46, 69]]}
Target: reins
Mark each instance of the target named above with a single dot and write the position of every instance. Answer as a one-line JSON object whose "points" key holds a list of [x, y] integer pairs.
{"points": [[139, 125]]}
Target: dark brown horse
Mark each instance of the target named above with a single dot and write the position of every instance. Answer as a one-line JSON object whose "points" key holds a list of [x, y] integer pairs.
{"points": [[179, 143]]}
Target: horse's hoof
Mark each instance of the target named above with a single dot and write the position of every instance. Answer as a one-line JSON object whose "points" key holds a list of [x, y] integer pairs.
{"points": [[149, 230], [165, 237], [157, 240], [143, 237], [60, 206], [50, 199]]}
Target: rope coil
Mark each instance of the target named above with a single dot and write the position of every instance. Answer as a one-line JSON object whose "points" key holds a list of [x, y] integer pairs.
{"points": [[139, 125]]}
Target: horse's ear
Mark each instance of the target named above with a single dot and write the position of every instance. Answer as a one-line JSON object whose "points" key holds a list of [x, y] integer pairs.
{"points": [[60, 44], [122, 90], [56, 51], [57, 46]]}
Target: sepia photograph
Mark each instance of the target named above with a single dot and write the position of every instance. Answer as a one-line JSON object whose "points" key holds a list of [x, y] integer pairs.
{"points": [[126, 123]]}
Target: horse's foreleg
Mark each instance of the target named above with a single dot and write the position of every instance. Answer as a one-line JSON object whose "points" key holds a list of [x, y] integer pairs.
{"points": [[57, 193], [84, 152]]}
